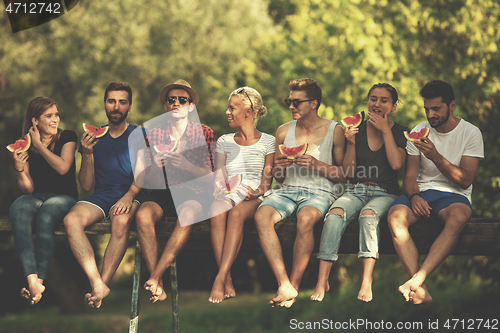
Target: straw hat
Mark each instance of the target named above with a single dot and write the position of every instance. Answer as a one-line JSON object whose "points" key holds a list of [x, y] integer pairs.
{"points": [[179, 84]]}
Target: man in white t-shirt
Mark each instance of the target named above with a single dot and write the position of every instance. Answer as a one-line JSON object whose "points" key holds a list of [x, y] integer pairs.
{"points": [[438, 184]]}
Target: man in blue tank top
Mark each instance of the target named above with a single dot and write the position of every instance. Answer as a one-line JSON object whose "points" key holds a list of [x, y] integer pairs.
{"points": [[309, 184], [106, 167]]}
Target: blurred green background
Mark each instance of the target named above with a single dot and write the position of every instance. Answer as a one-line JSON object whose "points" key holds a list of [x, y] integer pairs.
{"points": [[347, 45]]}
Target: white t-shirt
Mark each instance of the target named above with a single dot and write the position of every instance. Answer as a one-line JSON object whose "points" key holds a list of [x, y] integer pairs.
{"points": [[246, 160], [464, 140]]}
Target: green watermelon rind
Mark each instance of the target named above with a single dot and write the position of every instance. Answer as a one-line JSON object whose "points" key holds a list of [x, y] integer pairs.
{"points": [[345, 122], [93, 129], [231, 184], [13, 146], [420, 134], [293, 152]]}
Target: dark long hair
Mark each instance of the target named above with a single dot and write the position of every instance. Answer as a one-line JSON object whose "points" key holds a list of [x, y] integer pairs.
{"points": [[36, 107]]}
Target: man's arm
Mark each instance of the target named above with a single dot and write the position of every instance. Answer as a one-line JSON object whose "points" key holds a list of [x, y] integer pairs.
{"points": [[280, 160], [419, 206], [462, 175], [86, 174]]}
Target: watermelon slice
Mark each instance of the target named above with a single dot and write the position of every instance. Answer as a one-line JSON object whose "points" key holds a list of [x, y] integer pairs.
{"points": [[171, 147], [98, 131], [293, 152], [353, 121], [417, 136], [231, 184], [23, 144]]}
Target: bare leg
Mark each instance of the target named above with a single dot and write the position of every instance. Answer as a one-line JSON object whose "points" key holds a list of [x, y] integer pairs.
{"points": [[455, 218], [322, 285], [219, 212], [303, 246], [79, 217], [148, 215], [188, 212], [223, 288], [120, 226], [365, 292], [265, 219]]}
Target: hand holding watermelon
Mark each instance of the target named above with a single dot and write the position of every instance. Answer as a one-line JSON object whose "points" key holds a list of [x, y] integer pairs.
{"points": [[20, 159], [353, 121], [20, 145]]}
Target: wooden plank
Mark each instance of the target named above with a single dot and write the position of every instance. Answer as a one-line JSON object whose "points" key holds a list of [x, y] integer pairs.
{"points": [[479, 237]]}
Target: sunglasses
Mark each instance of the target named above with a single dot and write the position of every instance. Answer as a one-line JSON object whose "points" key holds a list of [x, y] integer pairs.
{"points": [[182, 100], [242, 90], [296, 102]]}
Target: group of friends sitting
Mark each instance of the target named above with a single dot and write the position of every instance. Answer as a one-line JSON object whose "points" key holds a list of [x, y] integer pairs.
{"points": [[346, 173]]}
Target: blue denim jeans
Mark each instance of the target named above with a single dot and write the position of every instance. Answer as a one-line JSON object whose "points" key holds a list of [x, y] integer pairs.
{"points": [[354, 201], [45, 210]]}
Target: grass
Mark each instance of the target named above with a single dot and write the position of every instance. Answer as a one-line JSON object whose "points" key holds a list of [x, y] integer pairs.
{"points": [[456, 296]]}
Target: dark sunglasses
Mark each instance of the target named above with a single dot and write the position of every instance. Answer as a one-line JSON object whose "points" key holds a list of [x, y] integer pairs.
{"points": [[242, 90], [182, 100], [296, 102]]}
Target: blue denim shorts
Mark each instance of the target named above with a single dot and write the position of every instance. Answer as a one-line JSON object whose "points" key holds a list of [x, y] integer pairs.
{"points": [[436, 199], [289, 202]]}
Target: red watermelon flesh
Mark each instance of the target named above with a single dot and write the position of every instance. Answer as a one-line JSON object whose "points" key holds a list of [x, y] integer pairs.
{"points": [[231, 185], [171, 147], [417, 136], [99, 132], [293, 152], [23, 144], [353, 121]]}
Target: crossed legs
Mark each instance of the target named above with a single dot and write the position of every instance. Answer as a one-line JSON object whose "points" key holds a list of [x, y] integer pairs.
{"points": [[400, 218], [83, 215], [265, 218]]}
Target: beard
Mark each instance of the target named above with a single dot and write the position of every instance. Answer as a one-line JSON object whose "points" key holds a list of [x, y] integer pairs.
{"points": [[116, 120], [441, 121]]}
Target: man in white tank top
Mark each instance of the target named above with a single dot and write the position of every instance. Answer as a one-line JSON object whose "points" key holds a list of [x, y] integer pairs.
{"points": [[438, 184], [308, 184]]}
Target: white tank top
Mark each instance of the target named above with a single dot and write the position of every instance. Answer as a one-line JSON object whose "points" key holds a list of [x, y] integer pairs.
{"points": [[311, 180]]}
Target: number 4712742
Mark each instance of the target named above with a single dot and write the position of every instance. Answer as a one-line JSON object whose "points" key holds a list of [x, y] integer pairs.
{"points": [[33, 8]]}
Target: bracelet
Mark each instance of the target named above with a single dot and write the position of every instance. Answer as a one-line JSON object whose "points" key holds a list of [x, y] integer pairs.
{"points": [[414, 194], [19, 170]]}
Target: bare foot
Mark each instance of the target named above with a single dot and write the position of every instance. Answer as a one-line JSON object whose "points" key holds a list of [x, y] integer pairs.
{"points": [[286, 292], [94, 299], [25, 293], [217, 293], [320, 291], [35, 289], [421, 296], [156, 290], [409, 288], [229, 291], [365, 292]]}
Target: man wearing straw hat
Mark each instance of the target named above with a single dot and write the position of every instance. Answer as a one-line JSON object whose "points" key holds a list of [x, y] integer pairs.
{"points": [[178, 167]]}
